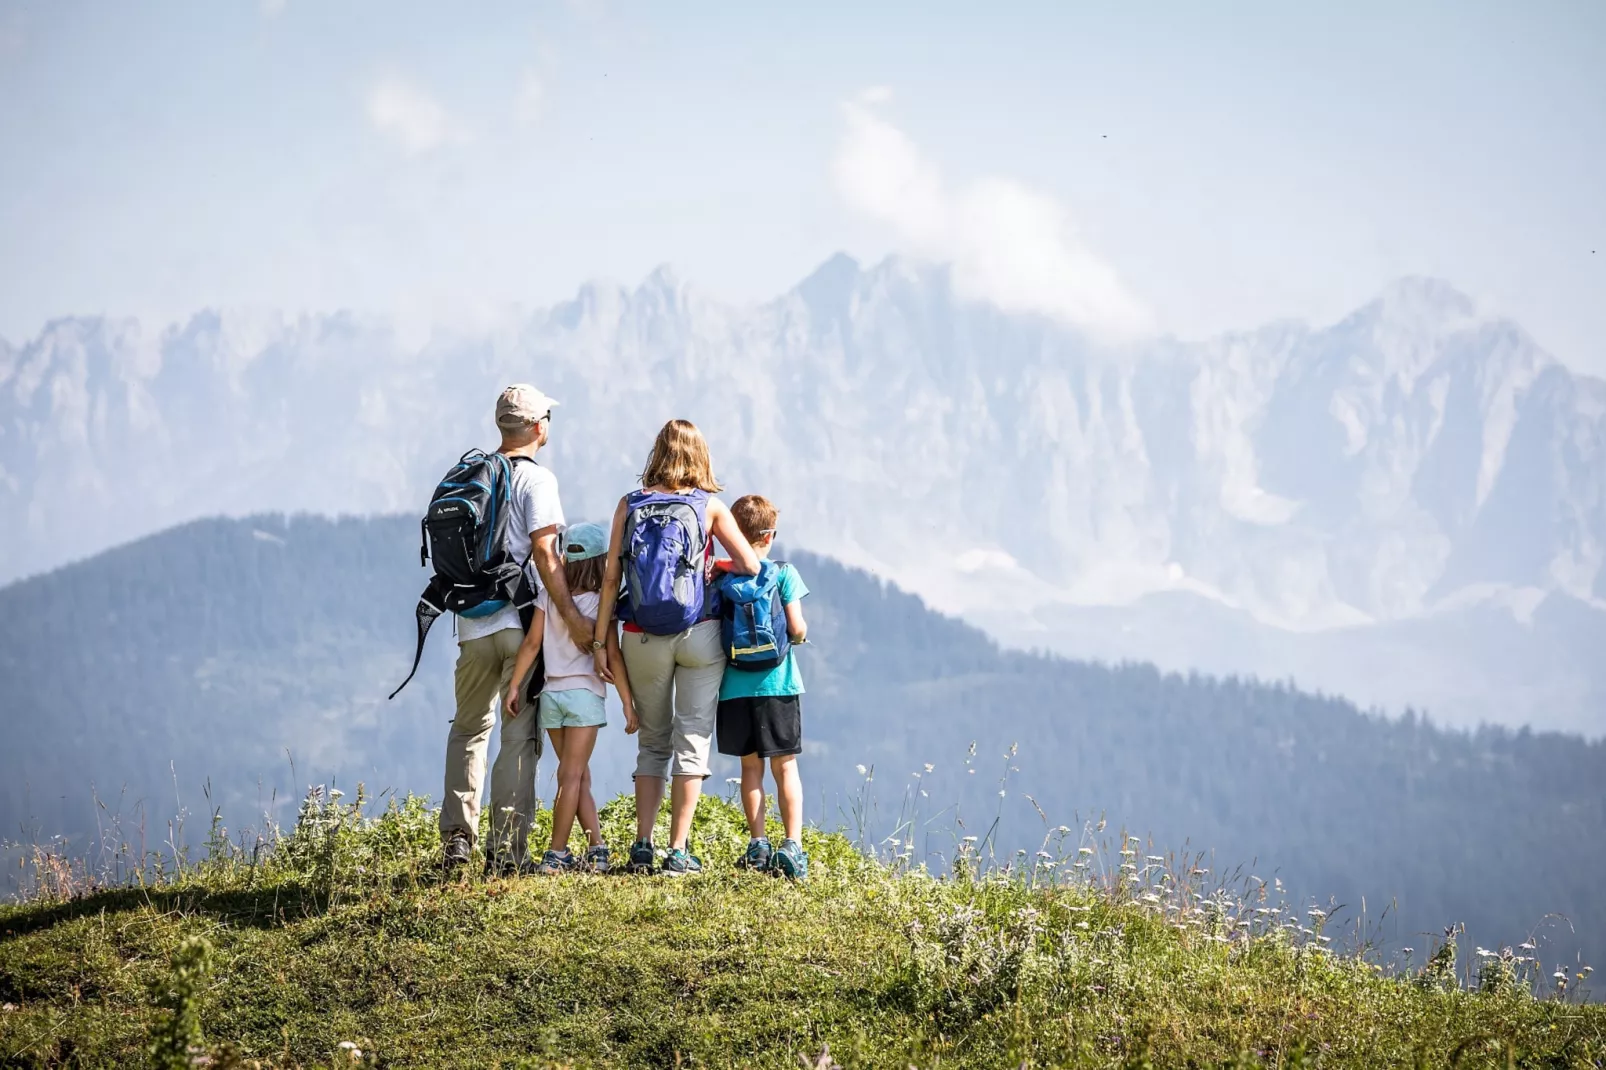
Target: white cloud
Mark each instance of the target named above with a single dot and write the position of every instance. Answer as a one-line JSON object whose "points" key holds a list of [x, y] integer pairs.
{"points": [[409, 116], [1008, 244], [530, 100]]}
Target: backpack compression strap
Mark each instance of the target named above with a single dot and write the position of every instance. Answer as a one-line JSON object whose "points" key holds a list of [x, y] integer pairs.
{"points": [[430, 606]]}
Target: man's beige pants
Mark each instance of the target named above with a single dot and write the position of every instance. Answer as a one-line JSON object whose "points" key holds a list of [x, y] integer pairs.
{"points": [[484, 670]]}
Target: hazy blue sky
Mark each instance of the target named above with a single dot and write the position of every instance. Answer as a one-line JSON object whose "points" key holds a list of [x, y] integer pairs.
{"points": [[1189, 168]]}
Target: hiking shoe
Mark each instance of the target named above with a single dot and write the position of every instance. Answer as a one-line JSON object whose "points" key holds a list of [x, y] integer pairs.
{"points": [[643, 857], [791, 861], [597, 859], [456, 852], [556, 862], [758, 855], [677, 863], [500, 865]]}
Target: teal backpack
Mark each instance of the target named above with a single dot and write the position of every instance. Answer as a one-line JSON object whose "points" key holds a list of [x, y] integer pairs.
{"points": [[754, 619]]}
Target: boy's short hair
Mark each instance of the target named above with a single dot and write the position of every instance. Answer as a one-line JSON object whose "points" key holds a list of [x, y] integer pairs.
{"points": [[755, 515]]}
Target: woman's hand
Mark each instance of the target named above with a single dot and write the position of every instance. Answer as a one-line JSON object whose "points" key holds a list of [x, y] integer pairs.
{"points": [[632, 722], [599, 658]]}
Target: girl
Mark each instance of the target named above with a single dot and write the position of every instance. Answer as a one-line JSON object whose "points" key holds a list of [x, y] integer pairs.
{"points": [[572, 699], [674, 677]]}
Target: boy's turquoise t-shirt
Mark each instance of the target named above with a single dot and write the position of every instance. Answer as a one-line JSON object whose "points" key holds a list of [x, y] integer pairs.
{"points": [[784, 679]]}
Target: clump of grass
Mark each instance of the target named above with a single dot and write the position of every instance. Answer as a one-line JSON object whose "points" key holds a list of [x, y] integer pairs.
{"points": [[338, 942]]}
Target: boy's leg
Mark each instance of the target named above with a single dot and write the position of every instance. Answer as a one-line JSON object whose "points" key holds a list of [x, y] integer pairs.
{"points": [[513, 772], [753, 794], [699, 669], [477, 678], [738, 738], [779, 726], [574, 756], [651, 666], [788, 793]]}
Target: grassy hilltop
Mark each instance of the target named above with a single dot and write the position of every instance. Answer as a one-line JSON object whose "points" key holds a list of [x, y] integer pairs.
{"points": [[337, 944]]}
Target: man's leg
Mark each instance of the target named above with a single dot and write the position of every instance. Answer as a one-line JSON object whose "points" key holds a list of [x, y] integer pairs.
{"points": [[753, 794], [789, 794], [699, 668], [513, 773], [651, 665], [478, 670]]}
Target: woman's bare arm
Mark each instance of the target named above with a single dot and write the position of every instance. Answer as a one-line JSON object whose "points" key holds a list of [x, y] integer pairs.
{"points": [[744, 562], [611, 574]]}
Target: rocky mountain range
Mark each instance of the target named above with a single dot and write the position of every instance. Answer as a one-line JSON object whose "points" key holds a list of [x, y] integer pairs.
{"points": [[1408, 505]]}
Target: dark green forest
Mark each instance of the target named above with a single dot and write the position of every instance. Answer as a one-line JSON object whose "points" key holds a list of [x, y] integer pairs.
{"points": [[232, 664]]}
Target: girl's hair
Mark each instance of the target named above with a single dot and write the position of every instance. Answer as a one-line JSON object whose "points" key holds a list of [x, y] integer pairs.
{"points": [[679, 460], [583, 576]]}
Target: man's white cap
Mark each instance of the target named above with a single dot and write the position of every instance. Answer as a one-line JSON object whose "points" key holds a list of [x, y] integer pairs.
{"points": [[521, 405]]}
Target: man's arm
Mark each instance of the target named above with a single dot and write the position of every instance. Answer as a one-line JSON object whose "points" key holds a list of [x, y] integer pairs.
{"points": [[549, 563]]}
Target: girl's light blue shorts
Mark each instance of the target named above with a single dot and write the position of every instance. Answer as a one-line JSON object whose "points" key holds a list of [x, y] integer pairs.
{"points": [[579, 708]]}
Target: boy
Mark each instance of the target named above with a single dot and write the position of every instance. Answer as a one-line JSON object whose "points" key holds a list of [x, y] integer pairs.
{"points": [[760, 713]]}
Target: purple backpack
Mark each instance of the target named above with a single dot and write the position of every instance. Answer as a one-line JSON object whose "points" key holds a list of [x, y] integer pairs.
{"points": [[666, 555]]}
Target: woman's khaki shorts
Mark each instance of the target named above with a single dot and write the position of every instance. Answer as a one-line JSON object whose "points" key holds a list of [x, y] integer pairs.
{"points": [[674, 681]]}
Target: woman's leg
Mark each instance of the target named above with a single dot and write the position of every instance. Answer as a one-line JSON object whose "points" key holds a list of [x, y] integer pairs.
{"points": [[753, 794], [699, 668], [650, 662], [574, 757], [788, 793]]}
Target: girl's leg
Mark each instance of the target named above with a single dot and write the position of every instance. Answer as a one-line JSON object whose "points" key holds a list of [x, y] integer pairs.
{"points": [[753, 794], [574, 757], [788, 793], [556, 736], [589, 822]]}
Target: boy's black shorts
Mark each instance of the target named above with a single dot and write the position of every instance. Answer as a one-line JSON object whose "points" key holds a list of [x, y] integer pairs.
{"points": [[767, 725]]}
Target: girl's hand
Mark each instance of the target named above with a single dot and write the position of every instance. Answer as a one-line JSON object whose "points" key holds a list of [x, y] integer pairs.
{"points": [[631, 721], [511, 705]]}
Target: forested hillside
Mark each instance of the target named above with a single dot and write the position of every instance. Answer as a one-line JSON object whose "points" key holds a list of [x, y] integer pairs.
{"points": [[232, 648]]}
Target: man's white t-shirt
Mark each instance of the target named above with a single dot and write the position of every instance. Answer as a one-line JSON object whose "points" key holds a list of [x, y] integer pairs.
{"points": [[532, 505]]}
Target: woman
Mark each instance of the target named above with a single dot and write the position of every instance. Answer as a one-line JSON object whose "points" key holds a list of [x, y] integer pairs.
{"points": [[672, 650]]}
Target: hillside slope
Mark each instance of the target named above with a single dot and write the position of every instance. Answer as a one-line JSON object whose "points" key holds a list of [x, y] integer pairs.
{"points": [[338, 946], [227, 648]]}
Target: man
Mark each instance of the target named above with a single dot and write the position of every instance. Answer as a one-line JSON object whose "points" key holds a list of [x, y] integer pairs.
{"points": [[487, 647]]}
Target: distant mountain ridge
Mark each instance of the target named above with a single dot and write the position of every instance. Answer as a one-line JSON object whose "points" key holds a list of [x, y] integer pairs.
{"points": [[1413, 459]]}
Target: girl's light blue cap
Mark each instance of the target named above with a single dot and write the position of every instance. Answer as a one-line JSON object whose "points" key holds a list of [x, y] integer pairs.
{"points": [[584, 541]]}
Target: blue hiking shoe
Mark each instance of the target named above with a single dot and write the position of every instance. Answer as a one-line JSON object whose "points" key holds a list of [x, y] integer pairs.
{"points": [[791, 861], [677, 863], [597, 859], [556, 862], [643, 857], [757, 857]]}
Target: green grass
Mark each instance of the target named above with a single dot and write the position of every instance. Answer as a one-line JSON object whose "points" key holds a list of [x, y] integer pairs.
{"points": [[279, 951]]}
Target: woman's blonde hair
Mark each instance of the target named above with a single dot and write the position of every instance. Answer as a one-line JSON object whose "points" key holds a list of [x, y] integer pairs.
{"points": [[679, 460]]}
